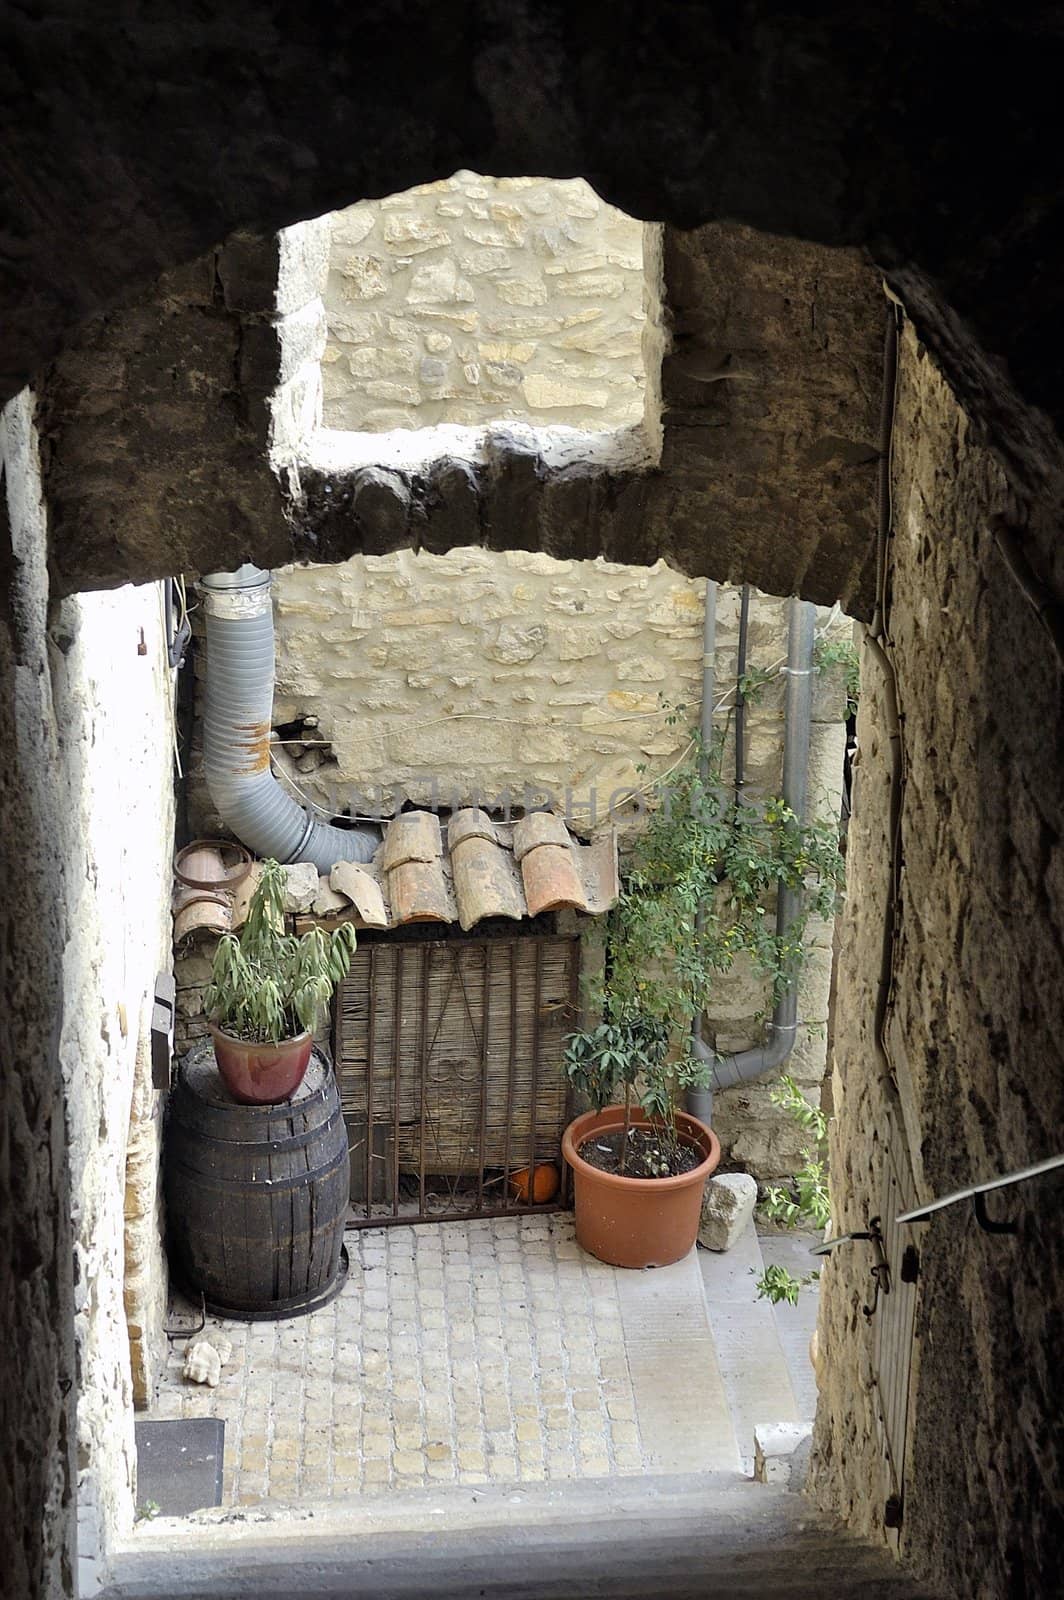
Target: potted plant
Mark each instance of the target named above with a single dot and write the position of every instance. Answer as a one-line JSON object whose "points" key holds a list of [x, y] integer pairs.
{"points": [[639, 1164], [267, 989], [696, 897]]}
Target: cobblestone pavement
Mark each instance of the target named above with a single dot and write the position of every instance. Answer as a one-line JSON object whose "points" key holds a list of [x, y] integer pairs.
{"points": [[472, 1352]]}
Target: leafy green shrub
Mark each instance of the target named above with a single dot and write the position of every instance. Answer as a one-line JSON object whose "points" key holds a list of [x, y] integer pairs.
{"points": [[267, 985], [806, 1199], [828, 653], [698, 894], [777, 1284]]}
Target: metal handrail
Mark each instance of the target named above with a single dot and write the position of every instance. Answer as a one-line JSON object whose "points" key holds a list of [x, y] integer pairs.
{"points": [[975, 1193], [921, 1213]]}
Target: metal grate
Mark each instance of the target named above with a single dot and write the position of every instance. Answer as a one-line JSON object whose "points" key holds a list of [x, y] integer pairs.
{"points": [[449, 1055]]}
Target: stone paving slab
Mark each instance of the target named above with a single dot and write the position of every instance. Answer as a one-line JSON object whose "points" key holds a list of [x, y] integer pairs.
{"points": [[469, 1352]]}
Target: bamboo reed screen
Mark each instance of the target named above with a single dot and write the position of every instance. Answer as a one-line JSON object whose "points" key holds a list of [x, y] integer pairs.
{"points": [[450, 1060]]}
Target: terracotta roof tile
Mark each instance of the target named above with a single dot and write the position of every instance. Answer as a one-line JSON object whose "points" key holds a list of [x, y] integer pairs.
{"points": [[486, 883], [471, 823], [551, 881], [414, 836], [482, 869], [362, 890], [539, 827], [418, 892]]}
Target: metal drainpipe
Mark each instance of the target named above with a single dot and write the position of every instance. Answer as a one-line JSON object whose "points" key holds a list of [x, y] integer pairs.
{"points": [[236, 731], [743, 1065], [699, 1102], [740, 698]]}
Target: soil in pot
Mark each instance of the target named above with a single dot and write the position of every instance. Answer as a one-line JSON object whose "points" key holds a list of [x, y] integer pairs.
{"points": [[648, 1155]]}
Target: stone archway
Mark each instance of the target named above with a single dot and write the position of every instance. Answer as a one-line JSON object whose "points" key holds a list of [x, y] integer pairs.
{"points": [[835, 130]]}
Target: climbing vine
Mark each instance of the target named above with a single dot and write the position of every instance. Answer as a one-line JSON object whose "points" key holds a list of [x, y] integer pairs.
{"points": [[703, 849], [805, 1198], [828, 653], [698, 894]]}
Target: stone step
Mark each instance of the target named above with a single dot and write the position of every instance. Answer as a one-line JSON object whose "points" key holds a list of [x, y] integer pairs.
{"points": [[795, 1324], [683, 1537], [685, 1419], [746, 1334]]}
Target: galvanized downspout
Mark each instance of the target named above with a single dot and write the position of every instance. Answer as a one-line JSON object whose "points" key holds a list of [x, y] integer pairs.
{"points": [[699, 1102], [236, 731], [743, 1065]]}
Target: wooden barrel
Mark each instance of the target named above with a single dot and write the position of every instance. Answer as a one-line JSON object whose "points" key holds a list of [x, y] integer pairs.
{"points": [[256, 1196]]}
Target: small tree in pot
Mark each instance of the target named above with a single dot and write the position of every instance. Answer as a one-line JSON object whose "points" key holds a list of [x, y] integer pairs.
{"points": [[266, 993], [694, 900]]}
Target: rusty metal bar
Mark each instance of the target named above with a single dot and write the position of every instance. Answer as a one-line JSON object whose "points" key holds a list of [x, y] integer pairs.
{"points": [[423, 1053], [415, 1219], [370, 1043], [484, 1010], [510, 1066], [397, 1029], [537, 1001]]}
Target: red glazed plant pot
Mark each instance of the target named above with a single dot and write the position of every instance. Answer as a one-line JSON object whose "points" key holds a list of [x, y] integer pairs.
{"points": [[637, 1222], [261, 1074]]}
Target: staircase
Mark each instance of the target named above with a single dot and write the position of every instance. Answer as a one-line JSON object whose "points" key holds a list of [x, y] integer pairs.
{"points": [[713, 1537], [706, 1533]]}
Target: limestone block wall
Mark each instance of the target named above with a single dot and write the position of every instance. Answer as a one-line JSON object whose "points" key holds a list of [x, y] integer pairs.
{"points": [[37, 1456], [89, 742], [474, 299], [112, 703], [473, 677], [973, 1027]]}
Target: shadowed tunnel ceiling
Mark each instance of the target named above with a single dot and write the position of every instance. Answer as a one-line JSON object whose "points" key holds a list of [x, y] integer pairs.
{"points": [[135, 137]]}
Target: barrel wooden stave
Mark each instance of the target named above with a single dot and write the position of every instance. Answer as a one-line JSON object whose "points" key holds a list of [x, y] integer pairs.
{"points": [[256, 1195]]}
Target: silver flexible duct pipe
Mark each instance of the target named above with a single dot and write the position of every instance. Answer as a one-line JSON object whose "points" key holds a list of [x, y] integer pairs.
{"points": [[743, 1065], [236, 731]]}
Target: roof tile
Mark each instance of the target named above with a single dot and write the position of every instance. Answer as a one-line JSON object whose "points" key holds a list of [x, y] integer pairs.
{"points": [[486, 883], [551, 881]]}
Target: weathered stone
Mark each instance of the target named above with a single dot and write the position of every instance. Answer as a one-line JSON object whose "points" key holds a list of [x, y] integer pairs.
{"points": [[354, 224], [364, 278], [781, 1453], [551, 394], [641, 669], [727, 1208], [521, 291], [301, 886], [513, 644], [437, 282], [412, 235]]}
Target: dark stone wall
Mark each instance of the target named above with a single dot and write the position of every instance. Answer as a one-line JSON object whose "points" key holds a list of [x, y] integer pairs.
{"points": [[154, 429], [138, 138], [155, 420], [37, 1376], [973, 1022]]}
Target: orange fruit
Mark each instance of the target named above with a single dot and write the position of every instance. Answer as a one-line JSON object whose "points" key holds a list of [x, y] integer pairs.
{"points": [[546, 1181]]}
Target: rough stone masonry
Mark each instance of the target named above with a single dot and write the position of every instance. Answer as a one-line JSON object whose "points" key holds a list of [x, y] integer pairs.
{"points": [[483, 299]]}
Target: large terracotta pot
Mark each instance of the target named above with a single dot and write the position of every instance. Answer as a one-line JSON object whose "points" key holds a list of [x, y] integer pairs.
{"points": [[637, 1222], [261, 1074]]}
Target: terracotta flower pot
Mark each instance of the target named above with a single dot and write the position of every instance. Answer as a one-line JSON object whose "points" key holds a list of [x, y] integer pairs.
{"points": [[637, 1222], [261, 1074]]}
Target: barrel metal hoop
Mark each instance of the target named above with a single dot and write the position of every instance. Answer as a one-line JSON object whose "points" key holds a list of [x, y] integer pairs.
{"points": [[248, 1186], [298, 1141]]}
